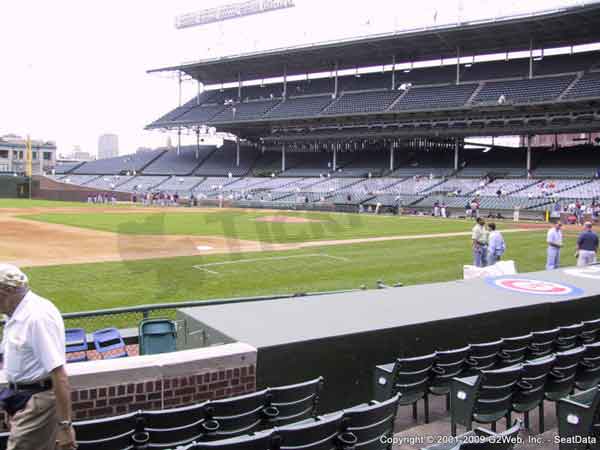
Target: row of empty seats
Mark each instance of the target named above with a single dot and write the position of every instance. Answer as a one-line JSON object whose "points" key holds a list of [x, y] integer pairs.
{"points": [[572, 352], [310, 97]]}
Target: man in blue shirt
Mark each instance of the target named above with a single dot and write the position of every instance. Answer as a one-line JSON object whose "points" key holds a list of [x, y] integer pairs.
{"points": [[587, 246]]}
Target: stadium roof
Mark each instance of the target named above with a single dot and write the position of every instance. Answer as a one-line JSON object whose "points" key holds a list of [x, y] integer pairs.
{"points": [[560, 27]]}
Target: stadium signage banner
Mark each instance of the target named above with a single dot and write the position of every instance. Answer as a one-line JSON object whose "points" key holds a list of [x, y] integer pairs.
{"points": [[533, 287], [230, 11]]}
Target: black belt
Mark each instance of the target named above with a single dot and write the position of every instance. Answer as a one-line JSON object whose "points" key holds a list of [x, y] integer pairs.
{"points": [[38, 386]]}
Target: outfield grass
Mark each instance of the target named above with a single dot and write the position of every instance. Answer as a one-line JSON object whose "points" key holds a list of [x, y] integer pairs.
{"points": [[104, 285], [242, 224]]}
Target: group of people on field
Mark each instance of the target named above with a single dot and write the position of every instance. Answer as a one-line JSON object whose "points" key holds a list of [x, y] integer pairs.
{"points": [[489, 246]]}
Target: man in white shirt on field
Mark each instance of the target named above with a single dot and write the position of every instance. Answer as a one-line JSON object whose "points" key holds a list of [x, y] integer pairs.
{"points": [[554, 240]]}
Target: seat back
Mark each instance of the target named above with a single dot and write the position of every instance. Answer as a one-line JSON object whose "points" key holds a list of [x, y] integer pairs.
{"points": [[568, 336], [561, 379], [109, 343], [488, 440], [157, 336], [262, 440], [484, 356], [411, 376], [495, 390], [293, 403], [588, 372], [320, 433], [173, 427], [234, 416], [371, 423], [514, 349], [578, 415], [112, 433], [449, 364], [542, 343], [530, 387], [76, 344], [589, 333]]}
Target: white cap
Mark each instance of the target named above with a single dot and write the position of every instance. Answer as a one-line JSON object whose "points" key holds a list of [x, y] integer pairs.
{"points": [[12, 276]]}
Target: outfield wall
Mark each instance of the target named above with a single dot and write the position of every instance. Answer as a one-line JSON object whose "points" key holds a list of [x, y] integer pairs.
{"points": [[110, 387], [46, 189]]}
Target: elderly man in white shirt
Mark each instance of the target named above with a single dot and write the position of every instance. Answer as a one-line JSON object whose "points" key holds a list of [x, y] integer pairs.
{"points": [[38, 398], [554, 239]]}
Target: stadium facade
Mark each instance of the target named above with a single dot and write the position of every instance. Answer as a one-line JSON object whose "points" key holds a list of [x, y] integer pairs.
{"points": [[395, 137]]}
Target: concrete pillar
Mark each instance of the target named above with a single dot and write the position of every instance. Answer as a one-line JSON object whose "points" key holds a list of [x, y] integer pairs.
{"points": [[393, 73], [528, 155], [531, 58], [283, 157], [334, 158], [456, 151], [239, 87], [392, 156], [335, 86], [178, 141], [457, 65], [197, 143], [284, 82], [199, 85], [237, 152]]}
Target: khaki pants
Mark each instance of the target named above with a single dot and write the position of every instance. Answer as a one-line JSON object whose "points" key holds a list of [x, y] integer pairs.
{"points": [[34, 427]]}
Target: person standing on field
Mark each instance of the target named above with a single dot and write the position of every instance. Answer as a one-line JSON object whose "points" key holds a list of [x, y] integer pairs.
{"points": [[479, 237], [496, 245], [587, 246], [554, 240], [38, 398]]}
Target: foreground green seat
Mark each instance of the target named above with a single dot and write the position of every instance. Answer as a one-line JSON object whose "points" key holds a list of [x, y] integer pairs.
{"points": [[486, 440], [484, 398], [576, 416], [157, 336]]}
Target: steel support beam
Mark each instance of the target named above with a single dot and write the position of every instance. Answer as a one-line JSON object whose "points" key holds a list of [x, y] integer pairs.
{"points": [[457, 65], [456, 152], [528, 156]]}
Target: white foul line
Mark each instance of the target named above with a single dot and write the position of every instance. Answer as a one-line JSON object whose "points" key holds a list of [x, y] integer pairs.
{"points": [[270, 258]]}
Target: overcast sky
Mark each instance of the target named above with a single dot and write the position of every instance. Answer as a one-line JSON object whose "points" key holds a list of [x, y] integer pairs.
{"points": [[72, 70]]}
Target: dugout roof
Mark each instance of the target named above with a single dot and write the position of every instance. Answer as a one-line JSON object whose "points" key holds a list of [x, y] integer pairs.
{"points": [[561, 27]]}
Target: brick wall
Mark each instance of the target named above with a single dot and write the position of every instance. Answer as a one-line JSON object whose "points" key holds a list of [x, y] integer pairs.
{"points": [[103, 401], [105, 388]]}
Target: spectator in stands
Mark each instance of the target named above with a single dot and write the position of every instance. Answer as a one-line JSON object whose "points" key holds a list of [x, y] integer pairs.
{"points": [[587, 246], [479, 237], [496, 246], [38, 397], [554, 239]]}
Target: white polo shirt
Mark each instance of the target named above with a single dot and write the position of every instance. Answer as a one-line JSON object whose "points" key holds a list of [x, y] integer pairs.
{"points": [[34, 340], [554, 236]]}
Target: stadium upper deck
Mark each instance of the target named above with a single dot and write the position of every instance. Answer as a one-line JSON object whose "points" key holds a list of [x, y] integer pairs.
{"points": [[549, 94]]}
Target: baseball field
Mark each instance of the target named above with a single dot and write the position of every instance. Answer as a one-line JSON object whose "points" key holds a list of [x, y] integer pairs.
{"points": [[89, 257]]}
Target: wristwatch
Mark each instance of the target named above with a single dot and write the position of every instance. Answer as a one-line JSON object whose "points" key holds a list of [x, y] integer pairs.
{"points": [[65, 424]]}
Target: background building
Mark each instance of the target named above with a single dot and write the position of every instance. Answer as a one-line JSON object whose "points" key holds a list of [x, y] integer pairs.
{"points": [[13, 154], [108, 146]]}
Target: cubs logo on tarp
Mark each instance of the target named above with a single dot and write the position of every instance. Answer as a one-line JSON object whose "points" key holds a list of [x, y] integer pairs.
{"points": [[534, 287], [592, 272]]}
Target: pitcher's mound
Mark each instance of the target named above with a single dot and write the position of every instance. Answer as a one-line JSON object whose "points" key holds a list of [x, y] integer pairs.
{"points": [[286, 219]]}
